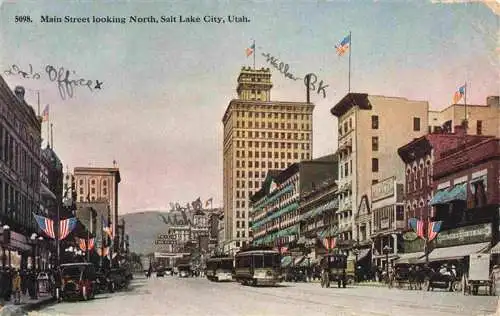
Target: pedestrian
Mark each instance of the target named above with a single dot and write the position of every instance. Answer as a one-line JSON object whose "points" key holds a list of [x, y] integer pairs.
{"points": [[16, 287]]}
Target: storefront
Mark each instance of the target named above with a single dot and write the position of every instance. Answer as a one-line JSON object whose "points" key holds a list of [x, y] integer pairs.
{"points": [[455, 245], [388, 221], [15, 249]]}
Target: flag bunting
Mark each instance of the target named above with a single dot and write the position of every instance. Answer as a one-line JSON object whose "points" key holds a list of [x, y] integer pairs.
{"points": [[46, 225]]}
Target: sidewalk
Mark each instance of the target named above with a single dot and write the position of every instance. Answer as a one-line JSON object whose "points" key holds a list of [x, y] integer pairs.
{"points": [[26, 304]]}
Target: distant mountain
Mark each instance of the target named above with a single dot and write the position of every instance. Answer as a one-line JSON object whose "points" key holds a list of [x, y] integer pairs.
{"points": [[144, 227]]}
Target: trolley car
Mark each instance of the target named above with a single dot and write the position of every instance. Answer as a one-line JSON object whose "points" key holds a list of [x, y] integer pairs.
{"points": [[219, 269], [258, 267]]}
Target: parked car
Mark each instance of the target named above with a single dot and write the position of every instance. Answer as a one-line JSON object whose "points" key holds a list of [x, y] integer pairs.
{"points": [[160, 272], [118, 279], [78, 281]]}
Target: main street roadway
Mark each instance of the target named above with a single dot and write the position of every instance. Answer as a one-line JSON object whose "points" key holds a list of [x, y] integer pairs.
{"points": [[198, 296]]}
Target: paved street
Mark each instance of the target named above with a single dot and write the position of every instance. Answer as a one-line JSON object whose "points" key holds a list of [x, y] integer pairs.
{"points": [[198, 296]]}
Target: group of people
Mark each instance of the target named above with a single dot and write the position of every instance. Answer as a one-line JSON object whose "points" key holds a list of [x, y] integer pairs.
{"points": [[15, 283]]}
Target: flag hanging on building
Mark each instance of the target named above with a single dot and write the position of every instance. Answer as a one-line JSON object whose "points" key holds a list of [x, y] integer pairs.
{"points": [[107, 228], [412, 223], [66, 226], [434, 228], [459, 94], [344, 45], [45, 114], [333, 243], [250, 50], [46, 225], [82, 243], [207, 203], [420, 229], [102, 252]]}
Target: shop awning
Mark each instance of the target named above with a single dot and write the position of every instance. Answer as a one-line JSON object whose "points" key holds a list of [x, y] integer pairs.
{"points": [[439, 197], [409, 258], [363, 253], [495, 249], [459, 192], [286, 261], [457, 252], [298, 260]]}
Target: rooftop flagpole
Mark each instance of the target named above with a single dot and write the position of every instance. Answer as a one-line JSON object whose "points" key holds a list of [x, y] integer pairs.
{"points": [[350, 49], [254, 53]]}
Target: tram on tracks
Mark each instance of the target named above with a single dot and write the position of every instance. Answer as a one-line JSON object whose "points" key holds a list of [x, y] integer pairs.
{"points": [[220, 269], [258, 266]]}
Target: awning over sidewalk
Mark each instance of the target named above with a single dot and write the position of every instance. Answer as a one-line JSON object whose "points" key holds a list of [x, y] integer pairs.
{"points": [[363, 253], [457, 252], [496, 249], [409, 258], [286, 261]]}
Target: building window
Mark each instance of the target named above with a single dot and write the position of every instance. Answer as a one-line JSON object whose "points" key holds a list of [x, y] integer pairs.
{"points": [[81, 181], [374, 122], [374, 181], [416, 124], [375, 143], [374, 164], [479, 128]]}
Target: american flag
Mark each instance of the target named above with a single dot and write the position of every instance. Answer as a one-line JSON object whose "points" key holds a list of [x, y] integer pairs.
{"points": [[326, 243], [333, 243], [106, 228], [45, 114], [250, 50], [459, 94], [434, 228], [82, 243], [46, 225], [344, 45], [420, 229], [66, 226], [102, 252]]}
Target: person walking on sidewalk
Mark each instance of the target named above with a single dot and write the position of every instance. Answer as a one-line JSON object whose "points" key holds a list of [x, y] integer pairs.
{"points": [[16, 287]]}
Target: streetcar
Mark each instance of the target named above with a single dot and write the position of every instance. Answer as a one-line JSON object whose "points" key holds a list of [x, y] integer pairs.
{"points": [[258, 266], [220, 269]]}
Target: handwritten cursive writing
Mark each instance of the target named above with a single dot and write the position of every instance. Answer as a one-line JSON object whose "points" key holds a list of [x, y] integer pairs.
{"points": [[280, 66], [310, 82], [15, 70], [66, 85]]}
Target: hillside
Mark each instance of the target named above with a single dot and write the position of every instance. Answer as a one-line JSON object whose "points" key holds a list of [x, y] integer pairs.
{"points": [[143, 227]]}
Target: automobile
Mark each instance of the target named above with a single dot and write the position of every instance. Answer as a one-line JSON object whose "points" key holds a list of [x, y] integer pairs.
{"points": [[103, 283], [78, 281], [160, 272], [169, 271], [118, 278], [334, 270], [184, 270]]}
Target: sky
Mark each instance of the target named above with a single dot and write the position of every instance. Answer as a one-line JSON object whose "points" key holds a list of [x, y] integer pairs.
{"points": [[165, 86]]}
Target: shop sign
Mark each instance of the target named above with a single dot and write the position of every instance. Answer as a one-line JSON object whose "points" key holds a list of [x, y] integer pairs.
{"points": [[410, 236], [166, 239], [464, 235], [415, 245], [384, 223], [383, 189]]}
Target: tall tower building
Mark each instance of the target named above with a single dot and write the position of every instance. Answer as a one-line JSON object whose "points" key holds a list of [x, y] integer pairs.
{"points": [[98, 184], [259, 134]]}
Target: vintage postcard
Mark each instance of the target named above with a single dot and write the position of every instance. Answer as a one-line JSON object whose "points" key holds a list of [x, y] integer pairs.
{"points": [[250, 157]]}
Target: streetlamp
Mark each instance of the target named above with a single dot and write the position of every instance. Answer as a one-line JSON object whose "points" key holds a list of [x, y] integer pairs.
{"points": [[40, 242], [33, 240], [6, 242], [356, 252], [387, 249]]}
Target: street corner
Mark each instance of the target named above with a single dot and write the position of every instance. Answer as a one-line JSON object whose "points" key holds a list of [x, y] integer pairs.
{"points": [[12, 310]]}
